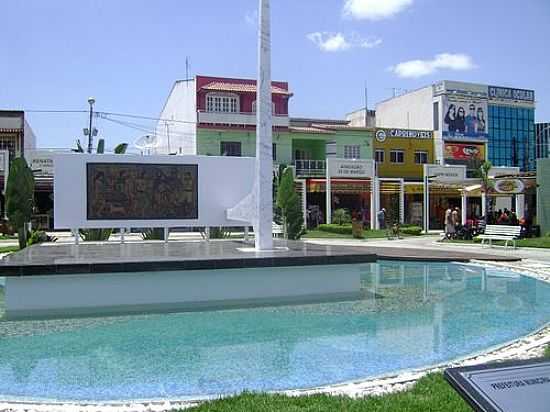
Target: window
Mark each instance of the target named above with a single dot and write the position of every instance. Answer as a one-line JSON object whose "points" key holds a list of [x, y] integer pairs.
{"points": [[227, 103], [230, 148], [379, 156], [274, 148], [352, 151], [421, 157], [397, 156]]}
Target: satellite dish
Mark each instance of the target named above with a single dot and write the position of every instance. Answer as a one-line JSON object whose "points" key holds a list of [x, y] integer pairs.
{"points": [[147, 142]]}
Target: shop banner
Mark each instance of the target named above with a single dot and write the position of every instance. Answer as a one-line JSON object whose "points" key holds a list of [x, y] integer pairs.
{"points": [[445, 173], [350, 168], [459, 151], [465, 119]]}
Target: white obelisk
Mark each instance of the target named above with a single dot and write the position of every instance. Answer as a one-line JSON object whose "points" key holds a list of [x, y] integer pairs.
{"points": [[264, 133], [257, 207]]}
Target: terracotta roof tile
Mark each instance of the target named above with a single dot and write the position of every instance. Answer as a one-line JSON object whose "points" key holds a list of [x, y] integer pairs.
{"points": [[309, 130], [240, 87]]}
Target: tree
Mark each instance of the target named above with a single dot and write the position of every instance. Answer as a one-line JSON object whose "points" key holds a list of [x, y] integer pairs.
{"points": [[486, 182], [289, 203], [20, 198]]}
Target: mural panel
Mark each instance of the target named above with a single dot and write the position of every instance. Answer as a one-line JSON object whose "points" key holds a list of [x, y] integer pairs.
{"points": [[133, 191]]}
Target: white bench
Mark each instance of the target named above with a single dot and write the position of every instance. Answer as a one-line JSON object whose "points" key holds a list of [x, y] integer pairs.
{"points": [[277, 230], [500, 232]]}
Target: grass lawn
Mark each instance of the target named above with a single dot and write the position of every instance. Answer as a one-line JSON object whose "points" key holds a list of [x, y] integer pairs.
{"points": [[9, 249], [538, 242], [8, 237], [431, 393]]}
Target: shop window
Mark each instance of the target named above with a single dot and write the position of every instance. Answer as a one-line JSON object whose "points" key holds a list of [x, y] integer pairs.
{"points": [[397, 156], [421, 157], [226, 103], [230, 148], [379, 156], [352, 151]]}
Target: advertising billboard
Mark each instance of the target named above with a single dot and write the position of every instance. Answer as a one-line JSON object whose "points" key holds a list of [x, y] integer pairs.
{"points": [[465, 119], [461, 151]]}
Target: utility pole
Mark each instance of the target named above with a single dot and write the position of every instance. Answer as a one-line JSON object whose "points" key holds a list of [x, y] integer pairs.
{"points": [[90, 132], [366, 106]]}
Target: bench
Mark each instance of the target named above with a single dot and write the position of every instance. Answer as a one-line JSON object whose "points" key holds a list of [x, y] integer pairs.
{"points": [[500, 232], [277, 230]]}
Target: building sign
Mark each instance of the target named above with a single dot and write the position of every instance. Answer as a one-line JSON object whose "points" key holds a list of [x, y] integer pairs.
{"points": [[510, 386], [382, 134], [509, 186], [465, 119], [506, 93], [445, 173], [460, 151], [40, 162], [350, 168], [129, 191]]}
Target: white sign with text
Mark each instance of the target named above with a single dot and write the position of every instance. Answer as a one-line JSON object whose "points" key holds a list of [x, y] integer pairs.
{"points": [[350, 168]]}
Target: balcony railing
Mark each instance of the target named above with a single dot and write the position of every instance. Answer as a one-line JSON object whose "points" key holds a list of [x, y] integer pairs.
{"points": [[238, 118], [310, 168]]}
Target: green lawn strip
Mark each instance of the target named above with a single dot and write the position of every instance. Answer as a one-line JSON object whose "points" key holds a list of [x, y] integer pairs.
{"points": [[536, 242], [547, 352], [431, 393], [8, 237], [9, 249]]}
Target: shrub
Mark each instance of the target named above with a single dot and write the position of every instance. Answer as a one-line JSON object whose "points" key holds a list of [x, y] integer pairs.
{"points": [[95, 235], [341, 217], [20, 198], [411, 230], [289, 203], [156, 233], [39, 236], [220, 232], [337, 229]]}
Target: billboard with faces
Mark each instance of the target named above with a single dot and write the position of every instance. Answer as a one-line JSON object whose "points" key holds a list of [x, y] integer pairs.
{"points": [[465, 119]]}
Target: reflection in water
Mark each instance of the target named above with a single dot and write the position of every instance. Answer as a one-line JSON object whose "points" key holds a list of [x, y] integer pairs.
{"points": [[410, 315]]}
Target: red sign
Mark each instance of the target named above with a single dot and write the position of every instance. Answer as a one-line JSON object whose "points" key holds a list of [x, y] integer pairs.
{"points": [[463, 151]]}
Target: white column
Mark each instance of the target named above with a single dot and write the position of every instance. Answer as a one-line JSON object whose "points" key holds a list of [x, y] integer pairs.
{"points": [[520, 206], [264, 135], [328, 190], [484, 205], [426, 203], [402, 201], [464, 207]]}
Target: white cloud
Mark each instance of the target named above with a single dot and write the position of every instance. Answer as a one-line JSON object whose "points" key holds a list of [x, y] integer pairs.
{"points": [[419, 68], [334, 42], [374, 9], [251, 17]]}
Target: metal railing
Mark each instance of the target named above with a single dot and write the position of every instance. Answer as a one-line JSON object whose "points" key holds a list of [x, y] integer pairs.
{"points": [[310, 168]]}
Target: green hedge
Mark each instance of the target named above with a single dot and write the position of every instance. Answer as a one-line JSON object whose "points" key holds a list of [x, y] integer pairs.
{"points": [[338, 229], [411, 230]]}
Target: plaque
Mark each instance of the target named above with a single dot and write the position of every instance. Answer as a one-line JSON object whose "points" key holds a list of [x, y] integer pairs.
{"points": [[518, 386]]}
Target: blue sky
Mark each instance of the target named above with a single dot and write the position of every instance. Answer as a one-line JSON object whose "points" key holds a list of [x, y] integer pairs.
{"points": [[128, 53]]}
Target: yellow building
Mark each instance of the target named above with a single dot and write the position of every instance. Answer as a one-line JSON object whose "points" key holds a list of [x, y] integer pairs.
{"points": [[401, 153]]}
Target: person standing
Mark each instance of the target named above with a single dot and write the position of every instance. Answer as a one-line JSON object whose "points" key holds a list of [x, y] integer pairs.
{"points": [[471, 121], [449, 226], [381, 216]]}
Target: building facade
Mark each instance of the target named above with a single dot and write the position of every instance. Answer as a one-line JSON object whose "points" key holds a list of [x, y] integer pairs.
{"points": [[542, 133], [471, 122], [215, 116]]}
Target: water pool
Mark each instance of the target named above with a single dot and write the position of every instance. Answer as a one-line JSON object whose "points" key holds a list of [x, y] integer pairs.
{"points": [[410, 315]]}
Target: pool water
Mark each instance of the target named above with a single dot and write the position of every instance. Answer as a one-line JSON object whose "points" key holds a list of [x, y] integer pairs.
{"points": [[410, 315]]}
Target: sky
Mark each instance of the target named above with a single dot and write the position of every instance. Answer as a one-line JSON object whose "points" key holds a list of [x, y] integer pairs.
{"points": [[128, 53]]}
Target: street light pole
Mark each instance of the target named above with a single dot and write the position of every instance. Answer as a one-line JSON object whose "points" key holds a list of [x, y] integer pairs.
{"points": [[91, 102]]}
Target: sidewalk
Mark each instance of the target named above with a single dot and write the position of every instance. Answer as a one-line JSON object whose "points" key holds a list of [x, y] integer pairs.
{"points": [[532, 257]]}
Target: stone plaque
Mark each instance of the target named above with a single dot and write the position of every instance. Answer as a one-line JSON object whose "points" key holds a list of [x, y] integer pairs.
{"points": [[505, 387], [133, 191]]}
